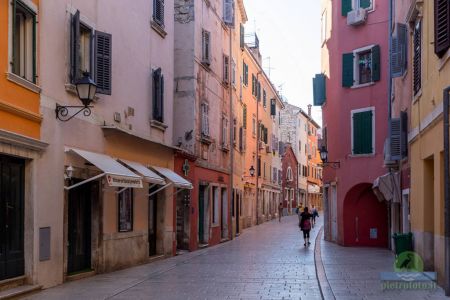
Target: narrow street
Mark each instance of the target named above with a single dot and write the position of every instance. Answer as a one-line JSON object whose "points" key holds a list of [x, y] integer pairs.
{"points": [[268, 261]]}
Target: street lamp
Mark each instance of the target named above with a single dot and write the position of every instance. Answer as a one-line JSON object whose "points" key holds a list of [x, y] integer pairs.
{"points": [[252, 171], [324, 157], [86, 90]]}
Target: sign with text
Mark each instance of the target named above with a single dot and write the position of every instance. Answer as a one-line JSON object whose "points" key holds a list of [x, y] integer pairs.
{"points": [[123, 181]]}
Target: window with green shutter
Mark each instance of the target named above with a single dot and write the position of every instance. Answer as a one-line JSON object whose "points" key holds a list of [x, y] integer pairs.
{"points": [[362, 142], [319, 89], [346, 7], [347, 70]]}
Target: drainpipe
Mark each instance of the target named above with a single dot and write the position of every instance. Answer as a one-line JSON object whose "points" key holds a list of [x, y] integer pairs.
{"points": [[390, 210], [447, 190], [258, 167], [232, 197]]}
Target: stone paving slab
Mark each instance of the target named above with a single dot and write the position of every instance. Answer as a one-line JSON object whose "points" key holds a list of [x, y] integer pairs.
{"points": [[267, 261], [354, 274]]}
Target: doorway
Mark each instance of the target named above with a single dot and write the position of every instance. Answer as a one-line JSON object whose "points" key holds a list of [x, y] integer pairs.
{"points": [[238, 211], [79, 225], [224, 218], [202, 209], [12, 182], [152, 221], [333, 200], [183, 208]]}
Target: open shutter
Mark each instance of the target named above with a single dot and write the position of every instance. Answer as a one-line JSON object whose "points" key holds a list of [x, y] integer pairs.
{"points": [[395, 138], [347, 70], [253, 85], [242, 36], [74, 47], [365, 3], [103, 62], [404, 133], [346, 7], [273, 107], [228, 12], [417, 63], [319, 89], [399, 51], [161, 100], [226, 69], [376, 67], [241, 139], [441, 26], [395, 57]]}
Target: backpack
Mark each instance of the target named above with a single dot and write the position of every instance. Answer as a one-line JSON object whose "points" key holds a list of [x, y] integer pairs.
{"points": [[306, 224]]}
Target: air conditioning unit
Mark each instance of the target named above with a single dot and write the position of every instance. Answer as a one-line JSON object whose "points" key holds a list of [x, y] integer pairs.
{"points": [[357, 17]]}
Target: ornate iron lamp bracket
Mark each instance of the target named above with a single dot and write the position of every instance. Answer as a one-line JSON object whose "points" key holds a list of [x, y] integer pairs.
{"points": [[62, 112]]}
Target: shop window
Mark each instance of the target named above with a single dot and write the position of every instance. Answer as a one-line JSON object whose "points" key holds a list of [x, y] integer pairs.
{"points": [[125, 209]]}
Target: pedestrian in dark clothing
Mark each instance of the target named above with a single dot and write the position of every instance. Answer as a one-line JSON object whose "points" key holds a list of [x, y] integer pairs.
{"points": [[305, 224], [280, 211], [315, 214]]}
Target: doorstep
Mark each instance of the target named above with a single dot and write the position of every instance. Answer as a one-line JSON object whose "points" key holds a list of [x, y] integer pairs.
{"points": [[80, 275], [224, 240], [201, 246], [19, 291], [155, 258], [12, 282]]}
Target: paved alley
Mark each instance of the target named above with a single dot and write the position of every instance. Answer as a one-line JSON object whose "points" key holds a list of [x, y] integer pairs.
{"points": [[266, 262]]}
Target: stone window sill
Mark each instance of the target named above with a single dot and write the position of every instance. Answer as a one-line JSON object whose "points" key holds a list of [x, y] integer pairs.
{"points": [[206, 140], [358, 86], [362, 155], [158, 125], [23, 82], [158, 28]]}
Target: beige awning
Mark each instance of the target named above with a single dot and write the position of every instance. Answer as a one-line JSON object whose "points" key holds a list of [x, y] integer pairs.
{"points": [[149, 175], [174, 178], [387, 187]]}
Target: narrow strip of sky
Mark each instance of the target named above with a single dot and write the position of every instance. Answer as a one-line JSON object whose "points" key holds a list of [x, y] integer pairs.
{"points": [[289, 33]]}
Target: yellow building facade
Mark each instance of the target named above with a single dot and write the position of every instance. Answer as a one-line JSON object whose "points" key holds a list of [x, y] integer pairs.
{"points": [[430, 72]]}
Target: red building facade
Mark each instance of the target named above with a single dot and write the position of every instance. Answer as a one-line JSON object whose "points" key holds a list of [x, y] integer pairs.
{"points": [[289, 179]]}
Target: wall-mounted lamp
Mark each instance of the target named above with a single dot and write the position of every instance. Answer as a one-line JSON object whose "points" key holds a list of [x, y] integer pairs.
{"points": [[324, 157], [86, 90], [69, 172]]}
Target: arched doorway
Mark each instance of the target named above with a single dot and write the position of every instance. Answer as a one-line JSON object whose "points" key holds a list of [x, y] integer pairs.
{"points": [[365, 218]]}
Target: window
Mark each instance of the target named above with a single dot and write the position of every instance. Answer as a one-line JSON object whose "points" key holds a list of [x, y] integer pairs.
{"points": [[244, 116], [417, 58], [216, 206], [361, 67], [274, 175], [224, 132], [24, 41], [158, 95], [399, 50], [324, 26], [254, 127], [264, 174], [228, 12], [205, 119], [259, 166], [289, 174], [234, 132], [233, 73], [349, 5], [273, 108], [242, 37], [441, 27], [245, 73], [158, 12], [125, 203], [90, 52], [363, 126], [226, 68], [206, 47], [241, 139], [264, 98]]}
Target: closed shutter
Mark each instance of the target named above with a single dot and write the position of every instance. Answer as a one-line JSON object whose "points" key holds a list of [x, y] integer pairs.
{"points": [[241, 139], [347, 70], [399, 51], [404, 133], [273, 107], [253, 85], [228, 12], [205, 120], [441, 27], [244, 116], [264, 98], [206, 44], [346, 7], [158, 12], [259, 167], [362, 133], [365, 3], [226, 69], [319, 91], [246, 75], [74, 47], [376, 67], [258, 91], [417, 63], [103, 49], [395, 138], [242, 36], [158, 95]]}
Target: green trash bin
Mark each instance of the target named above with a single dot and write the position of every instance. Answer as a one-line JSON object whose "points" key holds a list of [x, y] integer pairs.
{"points": [[403, 242]]}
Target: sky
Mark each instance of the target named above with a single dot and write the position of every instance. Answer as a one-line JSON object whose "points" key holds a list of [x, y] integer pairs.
{"points": [[289, 33]]}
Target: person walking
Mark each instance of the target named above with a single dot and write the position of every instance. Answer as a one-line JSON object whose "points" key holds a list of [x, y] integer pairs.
{"points": [[315, 214], [280, 211], [305, 225]]}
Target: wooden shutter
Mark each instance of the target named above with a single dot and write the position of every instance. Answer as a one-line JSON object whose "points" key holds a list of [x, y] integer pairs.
{"points": [[273, 107], [158, 12], [103, 50], [244, 116], [399, 51], [395, 139], [242, 36], [246, 75], [206, 46], [264, 98], [158, 95], [362, 133], [365, 3], [241, 139], [259, 166], [226, 69], [228, 12], [376, 67], [346, 7], [417, 63], [319, 92], [347, 70], [74, 47], [253, 85], [404, 133], [441, 27], [205, 120]]}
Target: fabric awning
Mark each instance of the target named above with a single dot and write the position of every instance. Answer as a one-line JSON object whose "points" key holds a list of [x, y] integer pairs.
{"points": [[116, 174], [148, 174], [313, 189], [387, 187], [177, 180]]}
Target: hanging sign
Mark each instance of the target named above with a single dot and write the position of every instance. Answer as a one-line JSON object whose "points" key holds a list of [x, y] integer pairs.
{"points": [[123, 181]]}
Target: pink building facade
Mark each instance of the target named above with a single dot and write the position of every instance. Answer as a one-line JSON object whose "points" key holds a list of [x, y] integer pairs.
{"points": [[352, 90]]}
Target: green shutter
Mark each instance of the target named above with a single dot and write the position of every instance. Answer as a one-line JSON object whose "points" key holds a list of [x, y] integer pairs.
{"points": [[242, 35], [376, 73], [347, 70], [346, 7], [365, 3], [362, 133], [319, 89]]}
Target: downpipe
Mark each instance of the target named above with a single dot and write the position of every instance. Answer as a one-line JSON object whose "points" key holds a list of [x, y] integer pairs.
{"points": [[447, 189]]}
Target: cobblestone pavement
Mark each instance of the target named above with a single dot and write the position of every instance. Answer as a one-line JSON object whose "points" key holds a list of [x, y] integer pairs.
{"points": [[266, 262], [354, 273]]}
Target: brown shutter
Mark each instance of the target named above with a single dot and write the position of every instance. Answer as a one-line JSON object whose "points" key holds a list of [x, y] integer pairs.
{"points": [[441, 26], [103, 50], [75, 47]]}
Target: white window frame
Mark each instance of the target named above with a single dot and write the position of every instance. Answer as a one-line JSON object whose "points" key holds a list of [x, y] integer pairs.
{"points": [[371, 108], [224, 132], [356, 5], [289, 174], [356, 53]]}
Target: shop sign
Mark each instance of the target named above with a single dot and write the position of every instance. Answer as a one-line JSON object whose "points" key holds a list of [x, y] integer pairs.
{"points": [[123, 181]]}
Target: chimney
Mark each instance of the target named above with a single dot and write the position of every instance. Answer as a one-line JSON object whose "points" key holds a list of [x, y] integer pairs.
{"points": [[309, 109]]}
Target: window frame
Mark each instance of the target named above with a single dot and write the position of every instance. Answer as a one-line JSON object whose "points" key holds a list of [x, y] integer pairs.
{"points": [[131, 210], [417, 93], [160, 23], [356, 77], [357, 4], [215, 209], [360, 110]]}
